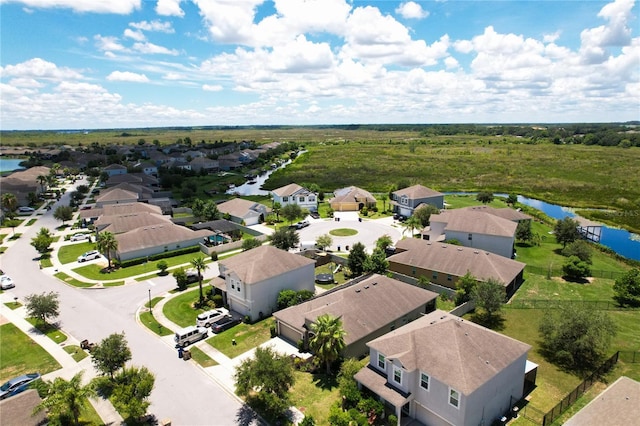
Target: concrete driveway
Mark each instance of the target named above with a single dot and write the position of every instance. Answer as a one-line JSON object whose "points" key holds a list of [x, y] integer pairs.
{"points": [[368, 231]]}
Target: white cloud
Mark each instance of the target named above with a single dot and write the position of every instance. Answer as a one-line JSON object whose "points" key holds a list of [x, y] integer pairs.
{"points": [[174, 76], [135, 35], [158, 26], [551, 38], [411, 10], [615, 33], [229, 21], [108, 44], [169, 8], [122, 7], [151, 48], [127, 76], [212, 87], [39, 69]]}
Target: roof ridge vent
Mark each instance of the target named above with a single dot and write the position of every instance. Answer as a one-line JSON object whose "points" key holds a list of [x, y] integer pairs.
{"points": [[358, 290], [366, 287]]}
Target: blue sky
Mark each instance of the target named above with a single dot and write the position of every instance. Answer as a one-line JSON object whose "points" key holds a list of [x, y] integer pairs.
{"points": [[84, 64]]}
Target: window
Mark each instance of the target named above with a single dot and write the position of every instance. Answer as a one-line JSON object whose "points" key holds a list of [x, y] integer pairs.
{"points": [[449, 277], [434, 275], [312, 199], [404, 200], [424, 381], [301, 199], [397, 375], [285, 199], [454, 397], [382, 362], [232, 286], [413, 270], [470, 237], [238, 287]]}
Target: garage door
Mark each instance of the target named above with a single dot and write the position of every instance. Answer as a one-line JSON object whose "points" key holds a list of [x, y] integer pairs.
{"points": [[289, 333], [427, 417]]}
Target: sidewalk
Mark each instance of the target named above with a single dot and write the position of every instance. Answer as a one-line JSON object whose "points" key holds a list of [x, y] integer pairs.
{"points": [[69, 367]]}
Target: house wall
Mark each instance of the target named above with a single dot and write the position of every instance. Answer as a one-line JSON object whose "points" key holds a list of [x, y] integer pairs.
{"points": [[148, 251], [502, 246], [263, 296], [438, 278], [310, 201], [345, 207], [436, 229], [433, 407], [114, 172], [123, 201]]}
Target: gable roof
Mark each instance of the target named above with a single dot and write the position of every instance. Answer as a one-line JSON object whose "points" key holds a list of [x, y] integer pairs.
{"points": [[472, 221], [117, 224], [618, 404], [505, 212], [220, 225], [123, 208], [351, 194], [416, 192], [456, 260], [117, 195], [114, 166], [364, 307], [261, 263], [239, 207], [17, 410], [156, 235], [459, 353], [288, 190]]}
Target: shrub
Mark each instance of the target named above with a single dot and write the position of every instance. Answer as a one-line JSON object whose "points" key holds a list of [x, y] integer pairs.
{"points": [[214, 256], [393, 419], [272, 331], [217, 301]]}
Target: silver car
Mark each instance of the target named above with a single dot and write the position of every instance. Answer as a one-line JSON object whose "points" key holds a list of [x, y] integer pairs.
{"points": [[90, 255], [6, 282]]}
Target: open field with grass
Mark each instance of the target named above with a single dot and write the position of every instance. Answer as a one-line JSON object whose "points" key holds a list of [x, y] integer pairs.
{"points": [[246, 336], [21, 355], [313, 394]]}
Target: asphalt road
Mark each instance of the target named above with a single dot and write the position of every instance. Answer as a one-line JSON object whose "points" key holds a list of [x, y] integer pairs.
{"points": [[183, 392]]}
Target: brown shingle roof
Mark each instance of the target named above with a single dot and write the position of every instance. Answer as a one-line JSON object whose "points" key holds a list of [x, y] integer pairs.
{"points": [[118, 224], [463, 220], [116, 195], [456, 260], [124, 208], [156, 235], [365, 307], [352, 194], [239, 207], [287, 190], [263, 262], [417, 191], [454, 351], [505, 212]]}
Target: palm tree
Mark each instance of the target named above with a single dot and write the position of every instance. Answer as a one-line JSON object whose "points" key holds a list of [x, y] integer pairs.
{"points": [[384, 198], [411, 224], [200, 266], [42, 180], [327, 342], [276, 209], [64, 398], [107, 244], [9, 204]]}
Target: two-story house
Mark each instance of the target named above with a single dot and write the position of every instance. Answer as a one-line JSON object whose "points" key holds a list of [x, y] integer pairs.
{"points": [[254, 278], [443, 370], [115, 169], [295, 194], [406, 200]]}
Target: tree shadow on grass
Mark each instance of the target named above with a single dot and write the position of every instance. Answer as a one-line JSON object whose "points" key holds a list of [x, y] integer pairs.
{"points": [[575, 280], [324, 381], [494, 322]]}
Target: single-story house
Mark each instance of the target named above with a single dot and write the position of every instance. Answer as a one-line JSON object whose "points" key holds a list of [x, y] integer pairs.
{"points": [[18, 410], [618, 404], [443, 264], [406, 200], [22, 182], [91, 215], [368, 308], [118, 224], [351, 198], [117, 196], [443, 370], [504, 212], [477, 229], [254, 278], [155, 239], [244, 211], [295, 194]]}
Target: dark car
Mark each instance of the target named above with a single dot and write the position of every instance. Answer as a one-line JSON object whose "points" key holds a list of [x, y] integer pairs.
{"points": [[224, 323], [17, 385]]}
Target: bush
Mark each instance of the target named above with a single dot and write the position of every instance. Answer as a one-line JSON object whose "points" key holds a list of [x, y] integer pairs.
{"points": [[393, 419], [217, 300], [576, 269], [272, 331], [214, 256]]}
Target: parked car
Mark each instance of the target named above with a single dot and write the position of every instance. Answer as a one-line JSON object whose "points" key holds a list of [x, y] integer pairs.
{"points": [[80, 237], [26, 209], [302, 224], [90, 255], [189, 335], [205, 319], [223, 324], [17, 385], [6, 282], [192, 276]]}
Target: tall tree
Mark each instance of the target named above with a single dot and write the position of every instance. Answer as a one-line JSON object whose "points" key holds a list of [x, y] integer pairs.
{"points": [[356, 260], [576, 336], [131, 395], [267, 378], [42, 180], [464, 288], [9, 204], [276, 208], [43, 306], [566, 231], [484, 197], [64, 399], [411, 224], [181, 278], [250, 243], [377, 262], [384, 242], [423, 213], [523, 231], [512, 199], [328, 341], [200, 265], [489, 296], [284, 239], [627, 288], [291, 212], [42, 241], [63, 213], [324, 241], [107, 244], [111, 354], [576, 269], [580, 249], [384, 197]]}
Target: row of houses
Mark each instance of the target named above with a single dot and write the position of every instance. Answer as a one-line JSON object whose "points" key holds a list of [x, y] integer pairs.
{"points": [[424, 363]]}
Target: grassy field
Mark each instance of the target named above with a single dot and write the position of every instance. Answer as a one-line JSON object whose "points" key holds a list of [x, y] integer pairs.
{"points": [[70, 252], [21, 355], [313, 394], [246, 336], [180, 308], [52, 332]]}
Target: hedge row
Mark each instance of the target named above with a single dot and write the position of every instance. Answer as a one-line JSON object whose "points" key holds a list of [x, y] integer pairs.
{"points": [[164, 255]]}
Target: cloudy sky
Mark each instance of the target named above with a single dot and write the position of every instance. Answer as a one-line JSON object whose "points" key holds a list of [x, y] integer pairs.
{"points": [[83, 64]]}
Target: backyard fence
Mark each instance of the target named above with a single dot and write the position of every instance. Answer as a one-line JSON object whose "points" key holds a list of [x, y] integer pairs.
{"points": [[557, 272], [596, 305], [631, 357], [566, 402]]}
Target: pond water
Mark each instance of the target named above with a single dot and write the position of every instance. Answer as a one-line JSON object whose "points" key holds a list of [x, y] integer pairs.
{"points": [[254, 188], [10, 164], [621, 241]]}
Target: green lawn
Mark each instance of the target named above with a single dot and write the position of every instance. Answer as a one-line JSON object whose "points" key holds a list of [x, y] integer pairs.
{"points": [[313, 394], [537, 287], [72, 281], [201, 358], [69, 252], [52, 332], [343, 232], [247, 336], [180, 308], [150, 322], [76, 352], [21, 355]]}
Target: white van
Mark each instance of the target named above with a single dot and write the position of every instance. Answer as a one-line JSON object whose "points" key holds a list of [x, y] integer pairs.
{"points": [[205, 319], [189, 335]]}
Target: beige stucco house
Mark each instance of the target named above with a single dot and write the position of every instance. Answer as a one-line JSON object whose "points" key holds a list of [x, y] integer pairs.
{"points": [[351, 198], [443, 370], [253, 279]]}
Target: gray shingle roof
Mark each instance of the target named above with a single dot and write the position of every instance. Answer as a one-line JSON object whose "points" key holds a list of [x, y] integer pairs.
{"points": [[365, 307], [156, 235], [239, 207], [352, 194], [287, 190], [118, 224], [454, 351], [263, 262], [464, 220], [417, 191]]}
